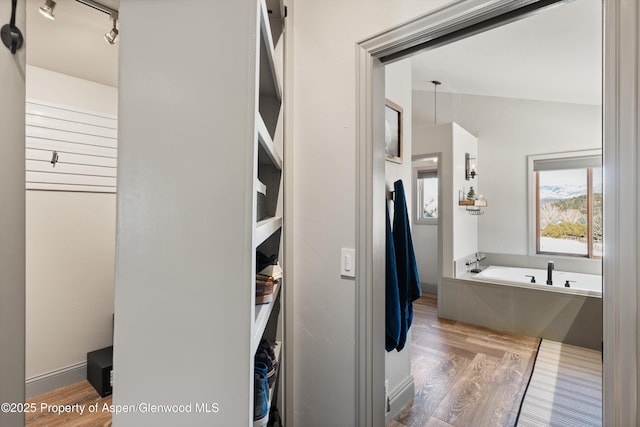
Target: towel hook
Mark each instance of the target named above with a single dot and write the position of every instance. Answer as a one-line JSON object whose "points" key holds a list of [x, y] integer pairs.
{"points": [[54, 158]]}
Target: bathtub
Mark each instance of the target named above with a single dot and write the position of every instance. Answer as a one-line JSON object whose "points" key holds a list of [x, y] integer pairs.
{"points": [[504, 299], [579, 283]]}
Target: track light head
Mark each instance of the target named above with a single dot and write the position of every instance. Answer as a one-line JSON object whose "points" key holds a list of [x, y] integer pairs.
{"points": [[47, 9], [112, 34]]}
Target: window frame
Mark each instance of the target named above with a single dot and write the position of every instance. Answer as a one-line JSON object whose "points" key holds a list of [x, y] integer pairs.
{"points": [[533, 210]]}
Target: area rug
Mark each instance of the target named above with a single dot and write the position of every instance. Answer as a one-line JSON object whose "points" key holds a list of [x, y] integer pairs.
{"points": [[565, 388]]}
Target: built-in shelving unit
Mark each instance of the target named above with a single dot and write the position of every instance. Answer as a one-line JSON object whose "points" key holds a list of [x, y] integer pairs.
{"points": [[266, 228], [277, 350], [210, 196], [263, 312], [268, 322]]}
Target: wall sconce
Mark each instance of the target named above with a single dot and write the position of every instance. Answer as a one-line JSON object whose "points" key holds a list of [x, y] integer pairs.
{"points": [[469, 168]]}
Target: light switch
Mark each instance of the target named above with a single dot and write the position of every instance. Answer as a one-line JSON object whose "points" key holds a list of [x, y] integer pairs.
{"points": [[348, 262]]}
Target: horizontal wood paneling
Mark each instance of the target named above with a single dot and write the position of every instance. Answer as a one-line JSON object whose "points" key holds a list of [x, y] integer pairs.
{"points": [[85, 142]]}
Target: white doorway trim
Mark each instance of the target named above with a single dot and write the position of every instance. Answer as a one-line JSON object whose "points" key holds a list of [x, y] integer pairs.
{"points": [[622, 203]]}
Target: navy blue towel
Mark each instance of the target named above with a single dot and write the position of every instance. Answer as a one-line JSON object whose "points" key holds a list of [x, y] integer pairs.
{"points": [[392, 301], [406, 267]]}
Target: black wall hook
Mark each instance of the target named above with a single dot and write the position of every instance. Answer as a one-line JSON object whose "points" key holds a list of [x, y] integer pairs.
{"points": [[11, 35]]}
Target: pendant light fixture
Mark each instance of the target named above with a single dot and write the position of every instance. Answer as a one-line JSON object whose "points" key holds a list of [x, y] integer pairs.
{"points": [[46, 10]]}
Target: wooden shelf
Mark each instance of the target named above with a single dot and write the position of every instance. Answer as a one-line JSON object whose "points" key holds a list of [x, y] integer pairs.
{"points": [[266, 228], [263, 311], [268, 86], [267, 144], [481, 203]]}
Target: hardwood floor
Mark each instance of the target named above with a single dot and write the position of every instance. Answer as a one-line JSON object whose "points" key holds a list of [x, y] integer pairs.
{"points": [[82, 394], [464, 375]]}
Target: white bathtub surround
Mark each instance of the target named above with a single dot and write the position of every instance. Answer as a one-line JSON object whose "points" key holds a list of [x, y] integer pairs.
{"points": [[564, 263], [579, 283], [529, 310]]}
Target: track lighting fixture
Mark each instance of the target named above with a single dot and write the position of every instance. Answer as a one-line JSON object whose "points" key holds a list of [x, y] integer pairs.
{"points": [[112, 35], [47, 9]]}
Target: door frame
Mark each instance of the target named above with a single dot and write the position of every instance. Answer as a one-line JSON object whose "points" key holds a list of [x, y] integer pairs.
{"points": [[621, 157]]}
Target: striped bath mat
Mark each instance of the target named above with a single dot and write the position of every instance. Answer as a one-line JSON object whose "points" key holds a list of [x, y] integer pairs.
{"points": [[565, 388]]}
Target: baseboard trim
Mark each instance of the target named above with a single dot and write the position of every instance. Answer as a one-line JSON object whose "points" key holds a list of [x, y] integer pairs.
{"points": [[428, 288], [55, 379], [400, 397]]}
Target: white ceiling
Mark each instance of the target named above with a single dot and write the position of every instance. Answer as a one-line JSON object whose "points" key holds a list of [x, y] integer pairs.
{"points": [[74, 42], [554, 55]]}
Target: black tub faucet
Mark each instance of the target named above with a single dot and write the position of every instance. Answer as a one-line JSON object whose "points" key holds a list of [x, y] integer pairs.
{"points": [[550, 273]]}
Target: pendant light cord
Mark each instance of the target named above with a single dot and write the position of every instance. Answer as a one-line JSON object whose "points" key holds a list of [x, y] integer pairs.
{"points": [[436, 83]]}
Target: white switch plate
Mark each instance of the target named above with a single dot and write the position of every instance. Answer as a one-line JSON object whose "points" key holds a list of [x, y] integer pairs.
{"points": [[348, 262]]}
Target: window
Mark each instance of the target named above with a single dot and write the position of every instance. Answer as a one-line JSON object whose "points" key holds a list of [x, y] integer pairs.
{"points": [[426, 195], [568, 204]]}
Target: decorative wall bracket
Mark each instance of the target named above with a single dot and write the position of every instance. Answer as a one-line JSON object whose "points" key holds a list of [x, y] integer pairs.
{"points": [[10, 34]]}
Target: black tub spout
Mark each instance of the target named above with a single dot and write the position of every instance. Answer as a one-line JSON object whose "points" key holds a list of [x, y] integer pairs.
{"points": [[550, 273]]}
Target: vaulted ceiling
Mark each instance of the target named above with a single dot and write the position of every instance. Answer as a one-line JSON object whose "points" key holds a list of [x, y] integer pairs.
{"points": [[554, 55]]}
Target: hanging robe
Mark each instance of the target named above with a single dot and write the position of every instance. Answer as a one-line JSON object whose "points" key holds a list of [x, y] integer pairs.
{"points": [[407, 270], [392, 301]]}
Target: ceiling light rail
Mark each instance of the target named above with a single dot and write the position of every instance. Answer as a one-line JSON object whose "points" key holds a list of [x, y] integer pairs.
{"points": [[110, 36]]}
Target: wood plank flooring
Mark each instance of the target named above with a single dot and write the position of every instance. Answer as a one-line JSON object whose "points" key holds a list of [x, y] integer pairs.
{"points": [[465, 375], [81, 393]]}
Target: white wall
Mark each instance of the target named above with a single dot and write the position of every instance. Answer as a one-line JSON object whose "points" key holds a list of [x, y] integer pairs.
{"points": [[398, 90], [508, 130], [70, 249], [425, 241], [465, 226], [68, 90], [12, 125], [324, 95], [458, 229]]}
